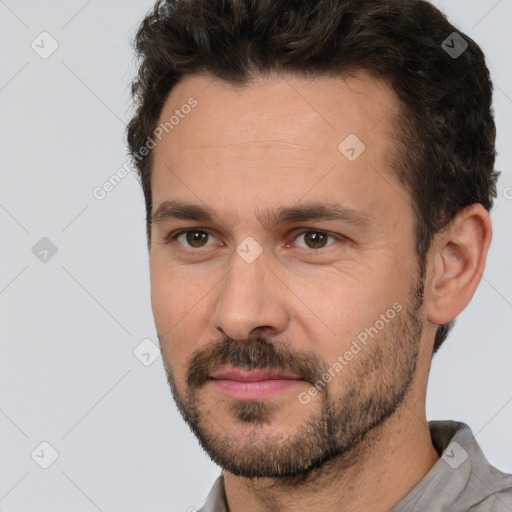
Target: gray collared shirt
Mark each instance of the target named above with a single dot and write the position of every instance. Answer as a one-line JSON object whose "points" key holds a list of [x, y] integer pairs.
{"points": [[462, 480]]}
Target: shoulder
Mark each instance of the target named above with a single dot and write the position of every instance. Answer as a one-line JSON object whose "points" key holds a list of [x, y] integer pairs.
{"points": [[462, 480], [498, 501]]}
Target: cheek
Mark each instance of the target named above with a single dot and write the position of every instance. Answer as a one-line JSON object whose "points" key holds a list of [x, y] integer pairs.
{"points": [[179, 307], [169, 290], [344, 308], [162, 299], [167, 304]]}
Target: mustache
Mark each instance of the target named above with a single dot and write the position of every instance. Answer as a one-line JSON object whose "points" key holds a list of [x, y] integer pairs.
{"points": [[255, 353]]}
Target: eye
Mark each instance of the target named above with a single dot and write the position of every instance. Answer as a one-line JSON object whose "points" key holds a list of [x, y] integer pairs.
{"points": [[192, 238], [199, 238], [315, 239]]}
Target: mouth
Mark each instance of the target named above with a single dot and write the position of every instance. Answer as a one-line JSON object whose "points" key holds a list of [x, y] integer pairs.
{"points": [[254, 384], [251, 376]]}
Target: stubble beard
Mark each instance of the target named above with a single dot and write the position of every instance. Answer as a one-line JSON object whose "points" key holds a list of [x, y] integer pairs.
{"points": [[372, 387]]}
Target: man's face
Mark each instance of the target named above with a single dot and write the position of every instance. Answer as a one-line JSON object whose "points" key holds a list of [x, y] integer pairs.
{"points": [[333, 302]]}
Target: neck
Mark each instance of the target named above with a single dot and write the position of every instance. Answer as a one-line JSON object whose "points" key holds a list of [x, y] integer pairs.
{"points": [[374, 476]]}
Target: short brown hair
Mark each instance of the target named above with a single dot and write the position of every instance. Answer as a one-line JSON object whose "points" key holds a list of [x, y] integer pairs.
{"points": [[445, 133]]}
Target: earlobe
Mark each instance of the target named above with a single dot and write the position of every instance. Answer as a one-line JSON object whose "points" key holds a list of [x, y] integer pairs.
{"points": [[458, 262]]}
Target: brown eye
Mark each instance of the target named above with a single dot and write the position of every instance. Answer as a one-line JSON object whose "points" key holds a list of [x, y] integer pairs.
{"points": [[315, 239], [193, 238], [196, 237]]}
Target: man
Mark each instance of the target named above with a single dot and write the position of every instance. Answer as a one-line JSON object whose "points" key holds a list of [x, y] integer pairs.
{"points": [[318, 177]]}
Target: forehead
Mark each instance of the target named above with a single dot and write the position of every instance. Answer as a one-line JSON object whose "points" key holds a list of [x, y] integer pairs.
{"points": [[324, 105], [285, 131]]}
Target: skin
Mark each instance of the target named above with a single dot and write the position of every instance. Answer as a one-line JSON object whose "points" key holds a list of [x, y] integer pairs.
{"points": [[271, 144]]}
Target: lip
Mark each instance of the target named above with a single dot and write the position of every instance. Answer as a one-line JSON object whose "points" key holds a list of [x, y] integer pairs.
{"points": [[252, 375], [254, 384]]}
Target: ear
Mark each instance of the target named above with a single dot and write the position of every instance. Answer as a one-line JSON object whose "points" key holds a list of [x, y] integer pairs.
{"points": [[457, 263]]}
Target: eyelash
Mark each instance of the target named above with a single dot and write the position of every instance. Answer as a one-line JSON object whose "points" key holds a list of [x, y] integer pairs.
{"points": [[173, 238]]}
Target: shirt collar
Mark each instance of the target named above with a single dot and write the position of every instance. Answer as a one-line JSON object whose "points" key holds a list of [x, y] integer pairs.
{"points": [[458, 480]]}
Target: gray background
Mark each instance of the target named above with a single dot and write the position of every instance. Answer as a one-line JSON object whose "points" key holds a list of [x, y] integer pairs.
{"points": [[71, 321]]}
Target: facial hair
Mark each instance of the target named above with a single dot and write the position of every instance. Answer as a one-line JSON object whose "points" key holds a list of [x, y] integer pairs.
{"points": [[375, 384]]}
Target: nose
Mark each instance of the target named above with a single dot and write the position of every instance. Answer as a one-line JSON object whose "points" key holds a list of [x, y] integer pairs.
{"points": [[250, 301]]}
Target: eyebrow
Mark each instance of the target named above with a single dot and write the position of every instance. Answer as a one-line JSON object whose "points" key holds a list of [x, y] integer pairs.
{"points": [[311, 211]]}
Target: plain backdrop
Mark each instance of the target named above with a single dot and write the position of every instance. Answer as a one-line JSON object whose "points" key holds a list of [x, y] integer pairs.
{"points": [[80, 370]]}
